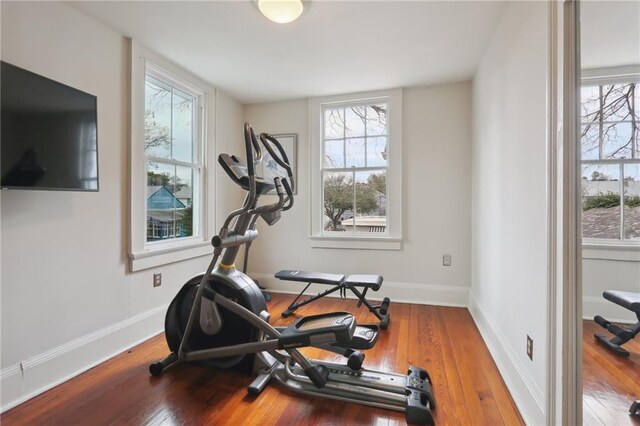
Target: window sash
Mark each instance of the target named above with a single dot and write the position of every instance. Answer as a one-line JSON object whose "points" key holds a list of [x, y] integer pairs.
{"points": [[621, 190], [161, 78], [353, 169]]}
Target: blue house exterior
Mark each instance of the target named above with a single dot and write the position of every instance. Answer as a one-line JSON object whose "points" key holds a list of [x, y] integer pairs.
{"points": [[164, 214]]}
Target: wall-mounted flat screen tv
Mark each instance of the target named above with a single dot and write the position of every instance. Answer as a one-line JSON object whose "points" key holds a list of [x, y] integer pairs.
{"points": [[48, 133]]}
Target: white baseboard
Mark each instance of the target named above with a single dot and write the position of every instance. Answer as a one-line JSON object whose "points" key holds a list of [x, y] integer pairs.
{"points": [[21, 382], [527, 396], [592, 306], [422, 294]]}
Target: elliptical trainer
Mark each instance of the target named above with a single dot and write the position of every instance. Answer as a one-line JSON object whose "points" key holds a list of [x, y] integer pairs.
{"points": [[221, 318]]}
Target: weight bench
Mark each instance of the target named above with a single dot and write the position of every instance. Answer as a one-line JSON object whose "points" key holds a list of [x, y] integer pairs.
{"points": [[630, 301], [339, 283]]}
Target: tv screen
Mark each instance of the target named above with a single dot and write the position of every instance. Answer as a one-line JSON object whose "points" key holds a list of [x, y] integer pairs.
{"points": [[48, 133]]}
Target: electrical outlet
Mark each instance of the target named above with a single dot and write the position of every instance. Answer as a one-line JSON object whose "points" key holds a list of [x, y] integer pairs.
{"points": [[157, 280], [446, 260], [530, 347]]}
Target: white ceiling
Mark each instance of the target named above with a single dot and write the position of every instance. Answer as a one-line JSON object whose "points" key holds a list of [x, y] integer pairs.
{"points": [[334, 47]]}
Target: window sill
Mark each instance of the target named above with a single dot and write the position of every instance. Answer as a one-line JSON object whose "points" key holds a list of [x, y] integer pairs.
{"points": [[356, 243], [611, 250], [163, 255]]}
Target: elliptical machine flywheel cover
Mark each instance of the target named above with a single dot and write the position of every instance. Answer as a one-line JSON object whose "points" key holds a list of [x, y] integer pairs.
{"points": [[235, 330]]}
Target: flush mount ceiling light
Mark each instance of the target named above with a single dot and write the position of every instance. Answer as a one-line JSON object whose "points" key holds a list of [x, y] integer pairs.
{"points": [[281, 11]]}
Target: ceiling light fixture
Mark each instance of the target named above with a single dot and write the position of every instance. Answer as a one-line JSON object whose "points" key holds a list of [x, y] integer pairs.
{"points": [[281, 11]]}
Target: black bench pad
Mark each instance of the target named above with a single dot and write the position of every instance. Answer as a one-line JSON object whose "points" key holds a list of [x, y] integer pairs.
{"points": [[310, 277], [374, 282], [625, 299]]}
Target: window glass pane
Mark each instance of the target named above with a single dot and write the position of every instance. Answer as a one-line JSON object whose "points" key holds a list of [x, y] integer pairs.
{"points": [[377, 151], [338, 201], [590, 104], [601, 201], [371, 202], [184, 194], [616, 100], [354, 121], [334, 154], [334, 123], [355, 149], [632, 201], [377, 120], [616, 140], [590, 142], [161, 201], [157, 119], [182, 130]]}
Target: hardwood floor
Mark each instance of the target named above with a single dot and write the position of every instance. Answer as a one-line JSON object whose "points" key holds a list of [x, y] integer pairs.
{"points": [[445, 341], [610, 382]]}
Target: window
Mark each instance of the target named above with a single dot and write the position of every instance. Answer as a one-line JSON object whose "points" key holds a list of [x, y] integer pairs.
{"points": [[610, 147], [357, 149], [172, 158], [168, 158]]}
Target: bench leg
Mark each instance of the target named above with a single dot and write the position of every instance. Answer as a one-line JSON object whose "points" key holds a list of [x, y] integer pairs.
{"points": [[293, 306], [375, 310], [622, 336]]}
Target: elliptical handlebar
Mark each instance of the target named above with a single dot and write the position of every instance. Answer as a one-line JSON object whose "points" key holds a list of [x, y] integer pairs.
{"points": [[283, 161], [257, 155]]}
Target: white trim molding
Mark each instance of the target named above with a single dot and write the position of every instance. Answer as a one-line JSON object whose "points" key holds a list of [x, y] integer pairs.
{"points": [[527, 396], [35, 375], [391, 240], [610, 75], [398, 292], [619, 252]]}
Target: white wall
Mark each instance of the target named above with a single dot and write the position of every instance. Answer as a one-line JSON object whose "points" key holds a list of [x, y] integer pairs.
{"points": [[609, 37], [509, 249], [436, 210], [68, 300]]}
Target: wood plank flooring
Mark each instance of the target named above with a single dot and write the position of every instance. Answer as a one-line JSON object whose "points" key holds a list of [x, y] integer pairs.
{"points": [[445, 341], [610, 382]]}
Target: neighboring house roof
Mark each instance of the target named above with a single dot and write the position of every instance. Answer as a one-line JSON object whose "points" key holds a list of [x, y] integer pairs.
{"points": [[160, 198], [185, 193]]}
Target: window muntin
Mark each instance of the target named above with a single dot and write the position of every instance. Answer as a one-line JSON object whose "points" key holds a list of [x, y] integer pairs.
{"points": [[610, 147], [354, 168], [173, 161]]}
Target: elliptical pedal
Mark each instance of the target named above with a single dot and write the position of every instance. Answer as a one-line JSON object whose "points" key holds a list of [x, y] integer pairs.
{"points": [[334, 328]]}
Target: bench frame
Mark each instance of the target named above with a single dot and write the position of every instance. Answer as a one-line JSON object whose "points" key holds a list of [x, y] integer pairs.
{"points": [[380, 311]]}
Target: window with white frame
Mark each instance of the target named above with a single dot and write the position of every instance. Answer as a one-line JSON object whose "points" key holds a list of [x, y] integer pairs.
{"points": [[168, 197], [357, 195], [172, 158], [610, 148]]}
